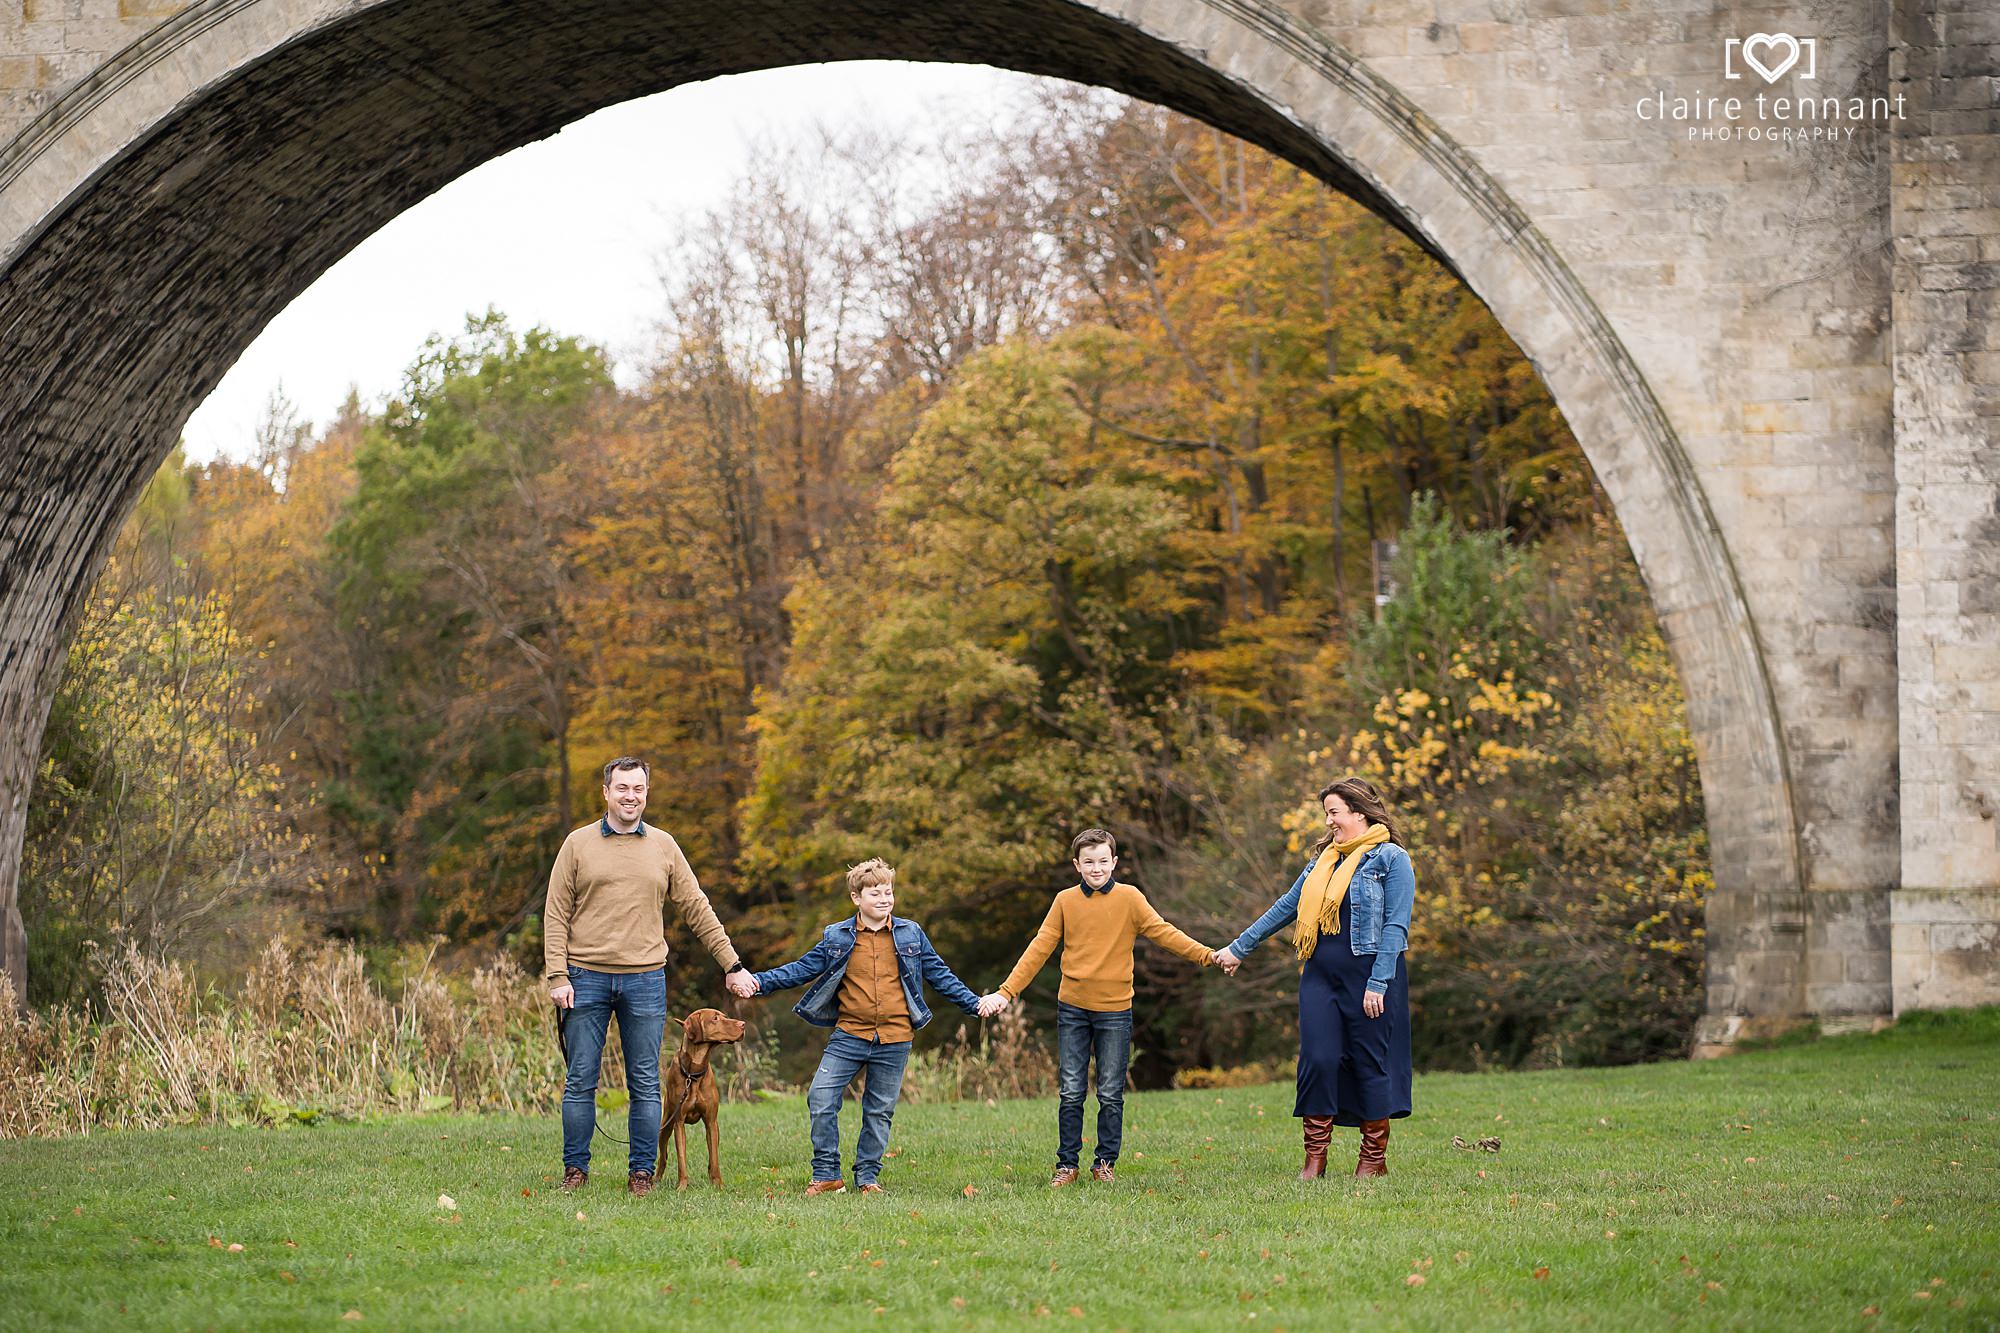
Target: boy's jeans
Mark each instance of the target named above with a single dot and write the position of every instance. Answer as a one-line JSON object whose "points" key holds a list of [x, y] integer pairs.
{"points": [[640, 1001], [846, 1055], [1081, 1033]]}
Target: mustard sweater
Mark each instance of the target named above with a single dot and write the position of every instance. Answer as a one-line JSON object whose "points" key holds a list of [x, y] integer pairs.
{"points": [[1097, 934]]}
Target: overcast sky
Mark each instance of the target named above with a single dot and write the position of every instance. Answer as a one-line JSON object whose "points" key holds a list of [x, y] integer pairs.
{"points": [[564, 232]]}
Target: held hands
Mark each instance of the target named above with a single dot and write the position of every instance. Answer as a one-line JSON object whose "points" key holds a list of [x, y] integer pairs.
{"points": [[741, 984], [990, 1005], [564, 996], [1227, 961], [1371, 1003]]}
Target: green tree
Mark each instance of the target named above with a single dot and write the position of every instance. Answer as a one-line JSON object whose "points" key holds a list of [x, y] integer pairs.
{"points": [[457, 578]]}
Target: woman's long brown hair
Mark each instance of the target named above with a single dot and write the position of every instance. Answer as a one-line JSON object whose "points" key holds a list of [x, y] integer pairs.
{"points": [[1364, 800]]}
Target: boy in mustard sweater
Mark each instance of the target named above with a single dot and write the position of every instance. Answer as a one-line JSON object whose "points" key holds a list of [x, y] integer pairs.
{"points": [[1096, 922]]}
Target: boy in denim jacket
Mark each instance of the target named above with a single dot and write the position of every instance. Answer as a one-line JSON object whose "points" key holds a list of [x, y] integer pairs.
{"points": [[867, 976]]}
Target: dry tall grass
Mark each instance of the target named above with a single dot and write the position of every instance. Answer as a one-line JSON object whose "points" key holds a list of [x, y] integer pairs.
{"points": [[309, 1035], [1007, 1061]]}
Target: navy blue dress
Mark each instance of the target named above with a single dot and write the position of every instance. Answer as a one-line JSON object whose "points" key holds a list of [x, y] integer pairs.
{"points": [[1352, 1067]]}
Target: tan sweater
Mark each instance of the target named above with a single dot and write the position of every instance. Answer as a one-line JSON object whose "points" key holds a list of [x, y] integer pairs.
{"points": [[1097, 934], [607, 904]]}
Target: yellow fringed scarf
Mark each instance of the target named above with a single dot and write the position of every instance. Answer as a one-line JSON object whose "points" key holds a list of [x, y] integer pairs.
{"points": [[1326, 886]]}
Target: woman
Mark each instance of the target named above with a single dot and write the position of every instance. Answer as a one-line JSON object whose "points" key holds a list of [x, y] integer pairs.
{"points": [[1352, 907]]}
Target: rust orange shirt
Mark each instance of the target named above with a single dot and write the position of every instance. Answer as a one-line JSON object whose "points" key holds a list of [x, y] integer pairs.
{"points": [[872, 1005]]}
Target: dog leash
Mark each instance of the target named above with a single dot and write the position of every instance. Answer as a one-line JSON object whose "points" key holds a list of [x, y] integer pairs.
{"points": [[562, 1044]]}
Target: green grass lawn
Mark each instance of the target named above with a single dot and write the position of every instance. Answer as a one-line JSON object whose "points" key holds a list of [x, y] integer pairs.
{"points": [[1852, 1182]]}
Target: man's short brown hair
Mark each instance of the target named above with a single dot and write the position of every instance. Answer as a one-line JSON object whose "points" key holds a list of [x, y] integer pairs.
{"points": [[1091, 837], [623, 762], [871, 872]]}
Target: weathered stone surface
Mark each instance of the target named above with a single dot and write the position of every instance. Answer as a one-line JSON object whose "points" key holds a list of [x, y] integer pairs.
{"points": [[1781, 360]]}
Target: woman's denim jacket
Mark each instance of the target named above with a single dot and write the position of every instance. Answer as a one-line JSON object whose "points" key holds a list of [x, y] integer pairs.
{"points": [[1381, 895], [826, 963]]}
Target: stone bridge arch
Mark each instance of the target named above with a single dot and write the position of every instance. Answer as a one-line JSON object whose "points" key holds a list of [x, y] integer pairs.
{"points": [[163, 197]]}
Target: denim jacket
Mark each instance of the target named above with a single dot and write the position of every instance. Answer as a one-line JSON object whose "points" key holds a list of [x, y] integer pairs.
{"points": [[826, 963], [1381, 897]]}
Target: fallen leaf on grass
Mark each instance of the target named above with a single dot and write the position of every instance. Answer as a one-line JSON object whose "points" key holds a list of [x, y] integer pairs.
{"points": [[1074, 1312], [579, 1215], [235, 1248], [969, 1191], [1414, 1280], [352, 1314], [958, 1302], [1870, 1311], [215, 1242], [286, 1276], [1541, 1273]]}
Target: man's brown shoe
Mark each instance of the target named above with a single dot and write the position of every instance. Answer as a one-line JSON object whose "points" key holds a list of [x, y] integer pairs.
{"points": [[640, 1183], [872, 1188], [825, 1187], [574, 1179], [1101, 1171], [1065, 1175]]}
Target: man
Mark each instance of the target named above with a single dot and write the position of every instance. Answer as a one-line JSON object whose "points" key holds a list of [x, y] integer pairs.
{"points": [[605, 950]]}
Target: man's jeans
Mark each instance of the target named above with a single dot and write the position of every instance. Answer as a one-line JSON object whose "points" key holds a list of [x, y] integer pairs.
{"points": [[1080, 1034], [640, 1001], [847, 1055]]}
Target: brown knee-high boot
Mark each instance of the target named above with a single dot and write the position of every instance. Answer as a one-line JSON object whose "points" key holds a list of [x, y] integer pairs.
{"points": [[1374, 1159], [1319, 1133]]}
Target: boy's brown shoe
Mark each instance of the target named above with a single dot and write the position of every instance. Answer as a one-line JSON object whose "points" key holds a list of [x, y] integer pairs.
{"points": [[1065, 1175], [872, 1188], [640, 1183], [1101, 1171], [825, 1187], [574, 1179]]}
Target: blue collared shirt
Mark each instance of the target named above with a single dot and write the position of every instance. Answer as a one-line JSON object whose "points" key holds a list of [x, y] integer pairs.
{"points": [[604, 827]]}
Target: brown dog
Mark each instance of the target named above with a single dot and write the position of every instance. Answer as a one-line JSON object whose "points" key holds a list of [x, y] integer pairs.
{"points": [[690, 1092]]}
